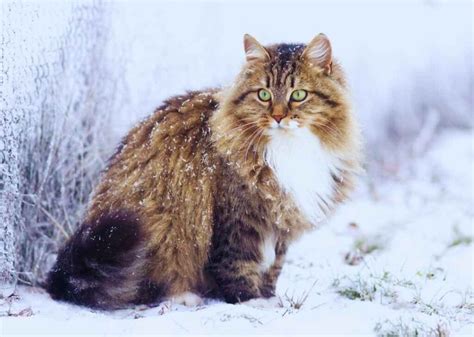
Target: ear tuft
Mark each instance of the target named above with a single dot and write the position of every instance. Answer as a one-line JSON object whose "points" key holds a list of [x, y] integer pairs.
{"points": [[254, 50], [319, 52]]}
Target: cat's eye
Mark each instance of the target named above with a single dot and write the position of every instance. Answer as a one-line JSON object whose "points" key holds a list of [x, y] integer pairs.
{"points": [[299, 95], [264, 95]]}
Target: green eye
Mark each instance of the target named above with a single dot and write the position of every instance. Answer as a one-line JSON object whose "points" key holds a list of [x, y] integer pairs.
{"points": [[264, 95], [299, 95]]}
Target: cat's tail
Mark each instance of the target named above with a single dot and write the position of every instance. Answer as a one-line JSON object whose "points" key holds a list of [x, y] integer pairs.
{"points": [[102, 265]]}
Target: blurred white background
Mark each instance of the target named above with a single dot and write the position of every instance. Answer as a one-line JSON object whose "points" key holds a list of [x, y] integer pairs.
{"points": [[409, 63]]}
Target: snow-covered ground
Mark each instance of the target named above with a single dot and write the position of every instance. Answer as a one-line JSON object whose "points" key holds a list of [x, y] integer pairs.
{"points": [[396, 260]]}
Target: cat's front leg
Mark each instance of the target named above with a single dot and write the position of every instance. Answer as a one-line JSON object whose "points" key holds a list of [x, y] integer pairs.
{"points": [[235, 266], [239, 281], [270, 278]]}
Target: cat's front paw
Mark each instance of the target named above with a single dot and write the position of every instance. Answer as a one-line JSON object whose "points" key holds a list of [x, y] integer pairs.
{"points": [[188, 299], [268, 291], [272, 302], [239, 296]]}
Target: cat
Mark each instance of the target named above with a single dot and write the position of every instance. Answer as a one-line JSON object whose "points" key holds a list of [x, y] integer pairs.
{"points": [[204, 197]]}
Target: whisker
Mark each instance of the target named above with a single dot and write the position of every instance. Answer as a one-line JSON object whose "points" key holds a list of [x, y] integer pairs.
{"points": [[255, 147], [260, 139], [335, 129], [242, 126], [328, 127], [250, 141], [328, 132]]}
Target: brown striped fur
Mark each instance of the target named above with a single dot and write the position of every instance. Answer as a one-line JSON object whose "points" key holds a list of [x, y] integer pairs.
{"points": [[193, 180]]}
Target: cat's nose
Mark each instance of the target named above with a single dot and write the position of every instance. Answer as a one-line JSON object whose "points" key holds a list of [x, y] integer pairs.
{"points": [[278, 118], [279, 112]]}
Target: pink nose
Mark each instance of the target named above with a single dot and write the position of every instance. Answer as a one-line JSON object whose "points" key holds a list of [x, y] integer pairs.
{"points": [[278, 118]]}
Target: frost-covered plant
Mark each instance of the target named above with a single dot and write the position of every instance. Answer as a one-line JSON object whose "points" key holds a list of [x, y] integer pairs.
{"points": [[364, 245], [459, 238], [296, 301], [410, 328], [365, 287], [66, 90]]}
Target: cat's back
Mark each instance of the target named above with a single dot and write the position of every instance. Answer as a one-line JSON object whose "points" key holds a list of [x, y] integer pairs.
{"points": [[170, 148], [182, 118]]}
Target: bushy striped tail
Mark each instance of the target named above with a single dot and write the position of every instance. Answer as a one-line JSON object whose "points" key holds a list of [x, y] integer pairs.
{"points": [[102, 265]]}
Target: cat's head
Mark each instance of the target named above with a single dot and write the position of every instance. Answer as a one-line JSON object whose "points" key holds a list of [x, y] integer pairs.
{"points": [[283, 89]]}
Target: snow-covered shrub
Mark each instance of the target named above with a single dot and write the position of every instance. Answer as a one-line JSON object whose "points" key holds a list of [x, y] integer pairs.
{"points": [[60, 81], [11, 135]]}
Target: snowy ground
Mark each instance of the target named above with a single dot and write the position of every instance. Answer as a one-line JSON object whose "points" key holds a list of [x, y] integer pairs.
{"points": [[397, 260]]}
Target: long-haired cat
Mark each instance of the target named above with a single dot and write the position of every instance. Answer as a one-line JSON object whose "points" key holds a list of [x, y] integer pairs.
{"points": [[204, 197]]}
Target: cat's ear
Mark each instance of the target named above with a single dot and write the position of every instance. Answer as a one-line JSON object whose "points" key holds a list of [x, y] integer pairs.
{"points": [[319, 52], [254, 50]]}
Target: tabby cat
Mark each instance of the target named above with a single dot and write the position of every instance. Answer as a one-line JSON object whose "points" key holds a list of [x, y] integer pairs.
{"points": [[203, 198]]}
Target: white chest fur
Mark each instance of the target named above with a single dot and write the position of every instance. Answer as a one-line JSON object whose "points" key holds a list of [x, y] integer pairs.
{"points": [[303, 169], [268, 252]]}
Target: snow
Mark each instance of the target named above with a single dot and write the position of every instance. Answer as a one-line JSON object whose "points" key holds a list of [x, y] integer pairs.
{"points": [[396, 259]]}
